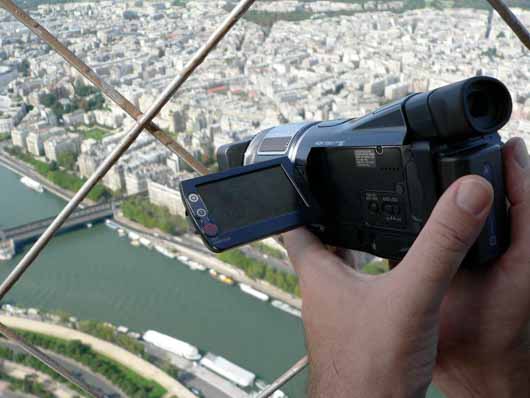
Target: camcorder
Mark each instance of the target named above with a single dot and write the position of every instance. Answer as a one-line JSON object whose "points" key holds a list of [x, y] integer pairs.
{"points": [[367, 184]]}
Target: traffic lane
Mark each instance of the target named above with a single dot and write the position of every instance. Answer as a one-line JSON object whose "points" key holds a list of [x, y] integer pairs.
{"points": [[207, 390], [96, 381]]}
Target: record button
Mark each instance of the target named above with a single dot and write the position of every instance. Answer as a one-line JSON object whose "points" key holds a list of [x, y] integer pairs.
{"points": [[210, 230]]}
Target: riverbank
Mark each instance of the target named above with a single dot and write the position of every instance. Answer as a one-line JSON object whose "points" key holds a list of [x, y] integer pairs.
{"points": [[189, 246], [22, 169], [107, 349], [94, 274]]}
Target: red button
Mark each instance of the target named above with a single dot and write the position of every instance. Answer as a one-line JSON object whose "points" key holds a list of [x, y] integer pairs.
{"points": [[211, 229]]}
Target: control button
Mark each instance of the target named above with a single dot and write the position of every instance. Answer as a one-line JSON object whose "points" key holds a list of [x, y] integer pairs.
{"points": [[396, 210], [202, 213], [388, 209], [211, 230], [193, 198], [374, 207]]}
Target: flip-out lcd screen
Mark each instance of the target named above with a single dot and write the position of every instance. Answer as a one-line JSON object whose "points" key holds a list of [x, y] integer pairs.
{"points": [[250, 198]]}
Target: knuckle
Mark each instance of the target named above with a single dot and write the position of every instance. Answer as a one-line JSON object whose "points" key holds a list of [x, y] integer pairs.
{"points": [[521, 189]]}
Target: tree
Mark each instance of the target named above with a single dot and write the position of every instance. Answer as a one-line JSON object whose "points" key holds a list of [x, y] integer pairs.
{"points": [[82, 90], [48, 100], [67, 160], [96, 102], [25, 68], [58, 109]]}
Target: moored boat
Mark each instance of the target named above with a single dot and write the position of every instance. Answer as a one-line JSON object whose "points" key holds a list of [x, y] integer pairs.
{"points": [[173, 345], [226, 279], [32, 184], [195, 266], [146, 242], [286, 308], [228, 370], [164, 251], [111, 224], [253, 292]]}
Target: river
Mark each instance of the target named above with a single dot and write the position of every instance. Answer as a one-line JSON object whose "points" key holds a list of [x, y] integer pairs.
{"points": [[94, 274]]}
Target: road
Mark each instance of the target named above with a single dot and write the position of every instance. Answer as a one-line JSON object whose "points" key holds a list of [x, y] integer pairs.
{"points": [[207, 390], [85, 374], [194, 375], [127, 359]]}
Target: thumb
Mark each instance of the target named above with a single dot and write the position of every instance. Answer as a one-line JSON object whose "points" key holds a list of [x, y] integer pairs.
{"points": [[453, 227], [311, 260]]}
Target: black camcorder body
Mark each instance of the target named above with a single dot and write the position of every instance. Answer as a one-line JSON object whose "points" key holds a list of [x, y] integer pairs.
{"points": [[374, 181]]}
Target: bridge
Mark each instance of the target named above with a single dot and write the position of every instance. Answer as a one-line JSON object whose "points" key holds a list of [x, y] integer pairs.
{"points": [[13, 238]]}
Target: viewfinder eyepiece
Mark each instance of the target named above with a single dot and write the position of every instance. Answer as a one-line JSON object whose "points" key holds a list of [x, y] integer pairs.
{"points": [[480, 105], [488, 104]]}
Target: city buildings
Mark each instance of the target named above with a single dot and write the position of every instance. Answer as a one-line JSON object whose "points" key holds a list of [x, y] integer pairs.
{"points": [[339, 60]]}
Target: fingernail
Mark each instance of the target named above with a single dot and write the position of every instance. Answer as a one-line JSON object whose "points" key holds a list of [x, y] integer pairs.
{"points": [[521, 154], [473, 196]]}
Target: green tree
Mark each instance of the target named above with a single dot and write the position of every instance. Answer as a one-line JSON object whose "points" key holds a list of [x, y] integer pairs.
{"points": [[258, 270], [82, 90], [67, 160], [140, 210], [48, 100], [25, 68]]}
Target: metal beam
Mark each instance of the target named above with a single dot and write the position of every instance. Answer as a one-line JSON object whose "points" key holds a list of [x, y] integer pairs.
{"points": [[143, 121], [512, 21], [105, 88], [56, 366], [283, 379], [126, 142]]}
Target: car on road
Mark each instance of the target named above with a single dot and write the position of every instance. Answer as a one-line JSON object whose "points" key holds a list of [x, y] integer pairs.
{"points": [[198, 393]]}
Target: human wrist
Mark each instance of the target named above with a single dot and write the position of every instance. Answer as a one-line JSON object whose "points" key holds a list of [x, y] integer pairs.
{"points": [[356, 379], [497, 377]]}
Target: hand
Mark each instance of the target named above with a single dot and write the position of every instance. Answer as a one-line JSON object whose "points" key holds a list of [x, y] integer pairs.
{"points": [[379, 336], [484, 347]]}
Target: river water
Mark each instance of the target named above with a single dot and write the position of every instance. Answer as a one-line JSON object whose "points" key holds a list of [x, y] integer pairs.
{"points": [[94, 274]]}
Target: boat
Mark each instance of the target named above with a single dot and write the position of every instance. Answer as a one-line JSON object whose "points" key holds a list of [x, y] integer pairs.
{"points": [[226, 279], [89, 225], [213, 273], [6, 253], [32, 184], [172, 345], [165, 252], [146, 242], [228, 370], [183, 259], [195, 266], [253, 292], [111, 224], [135, 243], [121, 232], [286, 308]]}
